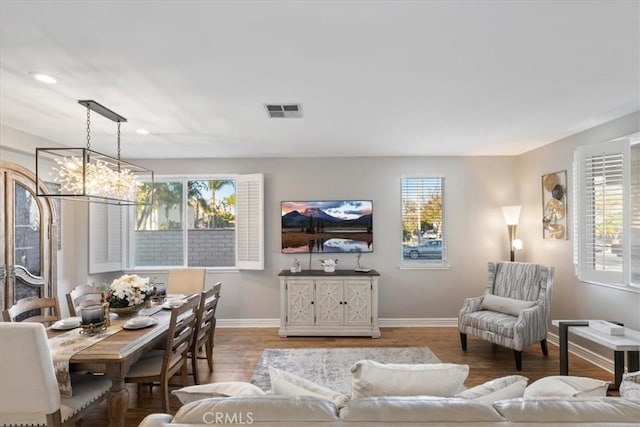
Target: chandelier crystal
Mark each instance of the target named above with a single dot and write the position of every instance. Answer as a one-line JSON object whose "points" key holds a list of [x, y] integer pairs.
{"points": [[84, 174]]}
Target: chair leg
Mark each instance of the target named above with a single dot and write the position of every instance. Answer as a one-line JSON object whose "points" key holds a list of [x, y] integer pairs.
{"points": [[518, 356], [463, 341], [194, 368], [165, 395], [209, 350], [545, 349]]}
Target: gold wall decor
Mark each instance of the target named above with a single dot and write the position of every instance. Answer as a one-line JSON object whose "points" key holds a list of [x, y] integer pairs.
{"points": [[554, 205]]}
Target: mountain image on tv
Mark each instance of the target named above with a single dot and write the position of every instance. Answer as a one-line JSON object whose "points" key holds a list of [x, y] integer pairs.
{"points": [[327, 226]]}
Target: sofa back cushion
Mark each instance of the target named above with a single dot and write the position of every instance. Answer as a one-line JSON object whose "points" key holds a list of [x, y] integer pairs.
{"points": [[252, 409], [606, 410], [417, 409], [371, 379]]}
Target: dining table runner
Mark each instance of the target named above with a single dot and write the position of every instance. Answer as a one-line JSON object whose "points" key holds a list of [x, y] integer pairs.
{"points": [[65, 345]]}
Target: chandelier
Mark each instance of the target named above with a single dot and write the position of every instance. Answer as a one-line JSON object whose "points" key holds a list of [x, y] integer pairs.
{"points": [[85, 174]]}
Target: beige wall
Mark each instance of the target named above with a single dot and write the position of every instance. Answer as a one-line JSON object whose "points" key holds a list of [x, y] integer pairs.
{"points": [[476, 187], [572, 299]]}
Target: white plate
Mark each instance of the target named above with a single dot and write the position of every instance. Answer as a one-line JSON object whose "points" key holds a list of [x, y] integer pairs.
{"points": [[168, 305], [66, 324], [139, 322]]}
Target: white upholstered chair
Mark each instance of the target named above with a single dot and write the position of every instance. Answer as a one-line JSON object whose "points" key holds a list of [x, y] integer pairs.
{"points": [[514, 310], [29, 393], [186, 281]]}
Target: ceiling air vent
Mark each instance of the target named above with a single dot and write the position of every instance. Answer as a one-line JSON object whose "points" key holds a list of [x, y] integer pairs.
{"points": [[284, 110]]}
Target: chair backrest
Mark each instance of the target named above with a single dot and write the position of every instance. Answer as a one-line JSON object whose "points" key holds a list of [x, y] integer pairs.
{"points": [[186, 281], [206, 315], [45, 310], [180, 335], [521, 280], [83, 295], [28, 385]]}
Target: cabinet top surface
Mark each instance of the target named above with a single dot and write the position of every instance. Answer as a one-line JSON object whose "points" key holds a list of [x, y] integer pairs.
{"points": [[322, 273]]}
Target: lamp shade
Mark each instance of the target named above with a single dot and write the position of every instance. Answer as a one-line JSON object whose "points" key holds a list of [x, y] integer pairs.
{"points": [[511, 214]]}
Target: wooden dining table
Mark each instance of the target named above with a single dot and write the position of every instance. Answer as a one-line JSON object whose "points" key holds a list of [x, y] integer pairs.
{"points": [[114, 355]]}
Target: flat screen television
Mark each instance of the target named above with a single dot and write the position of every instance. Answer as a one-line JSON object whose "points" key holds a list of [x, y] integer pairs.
{"points": [[330, 226]]}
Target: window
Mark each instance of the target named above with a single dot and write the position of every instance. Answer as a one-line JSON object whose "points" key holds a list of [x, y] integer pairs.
{"points": [[423, 222], [200, 222], [607, 220]]}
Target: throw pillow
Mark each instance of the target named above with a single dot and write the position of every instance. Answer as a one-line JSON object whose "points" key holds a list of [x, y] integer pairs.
{"points": [[287, 384], [566, 387], [630, 386], [509, 387], [505, 305], [221, 389], [371, 379]]}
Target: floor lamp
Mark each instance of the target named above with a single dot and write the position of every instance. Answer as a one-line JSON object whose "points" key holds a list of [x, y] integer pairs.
{"points": [[511, 217]]}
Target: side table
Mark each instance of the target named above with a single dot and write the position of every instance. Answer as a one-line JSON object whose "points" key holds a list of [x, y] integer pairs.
{"points": [[629, 343]]}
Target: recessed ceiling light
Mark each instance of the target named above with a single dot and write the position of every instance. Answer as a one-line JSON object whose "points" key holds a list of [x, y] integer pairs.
{"points": [[44, 78], [142, 132]]}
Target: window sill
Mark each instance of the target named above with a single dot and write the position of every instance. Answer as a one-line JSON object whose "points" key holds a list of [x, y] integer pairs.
{"points": [[624, 288], [424, 266], [162, 270]]}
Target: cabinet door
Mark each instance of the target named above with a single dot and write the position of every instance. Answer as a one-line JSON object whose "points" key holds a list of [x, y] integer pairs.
{"points": [[357, 302], [300, 302], [329, 302]]}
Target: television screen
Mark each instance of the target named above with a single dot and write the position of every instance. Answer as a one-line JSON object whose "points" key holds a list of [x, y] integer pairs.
{"points": [[327, 226]]}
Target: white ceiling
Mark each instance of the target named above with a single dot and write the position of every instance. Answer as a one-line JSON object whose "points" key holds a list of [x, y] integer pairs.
{"points": [[375, 78]]}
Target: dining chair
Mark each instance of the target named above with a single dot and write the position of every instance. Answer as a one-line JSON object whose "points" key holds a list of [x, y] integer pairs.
{"points": [[186, 281], [83, 295], [205, 328], [33, 309], [158, 366], [28, 385]]}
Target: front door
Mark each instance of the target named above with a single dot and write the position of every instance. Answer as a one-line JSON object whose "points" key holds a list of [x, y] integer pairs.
{"points": [[28, 227]]}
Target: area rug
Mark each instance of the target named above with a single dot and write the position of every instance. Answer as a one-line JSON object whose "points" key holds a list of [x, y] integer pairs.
{"points": [[330, 367]]}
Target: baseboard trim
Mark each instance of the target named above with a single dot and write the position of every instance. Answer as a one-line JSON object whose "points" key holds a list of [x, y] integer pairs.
{"points": [[584, 353], [247, 323], [423, 322], [383, 323]]}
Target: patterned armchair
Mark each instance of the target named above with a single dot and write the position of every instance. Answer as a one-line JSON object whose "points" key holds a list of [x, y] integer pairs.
{"points": [[514, 310]]}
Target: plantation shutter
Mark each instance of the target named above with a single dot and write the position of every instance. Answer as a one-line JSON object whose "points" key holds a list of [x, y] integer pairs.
{"points": [[601, 216], [635, 212], [250, 221], [106, 239]]}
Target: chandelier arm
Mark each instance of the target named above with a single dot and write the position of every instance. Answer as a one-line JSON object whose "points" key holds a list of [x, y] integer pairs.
{"points": [[88, 127]]}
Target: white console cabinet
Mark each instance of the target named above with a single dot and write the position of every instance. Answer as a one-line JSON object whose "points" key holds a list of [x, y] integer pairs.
{"points": [[315, 303]]}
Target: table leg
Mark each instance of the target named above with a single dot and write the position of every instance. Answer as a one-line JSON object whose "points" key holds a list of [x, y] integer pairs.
{"points": [[117, 398], [563, 330], [618, 363], [633, 360]]}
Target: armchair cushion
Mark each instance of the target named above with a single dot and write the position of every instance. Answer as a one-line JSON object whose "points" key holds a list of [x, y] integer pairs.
{"points": [[505, 305], [494, 322]]}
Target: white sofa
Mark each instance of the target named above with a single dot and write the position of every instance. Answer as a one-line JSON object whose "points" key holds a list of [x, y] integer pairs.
{"points": [[410, 411]]}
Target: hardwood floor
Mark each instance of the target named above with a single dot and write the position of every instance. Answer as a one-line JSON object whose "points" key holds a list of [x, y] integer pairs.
{"points": [[237, 351]]}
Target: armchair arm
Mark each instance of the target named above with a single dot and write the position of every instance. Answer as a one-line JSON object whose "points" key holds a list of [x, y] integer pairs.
{"points": [[156, 420], [471, 304], [530, 327]]}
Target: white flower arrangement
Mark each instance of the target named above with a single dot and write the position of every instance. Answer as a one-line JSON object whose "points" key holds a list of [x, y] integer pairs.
{"points": [[129, 290], [328, 262]]}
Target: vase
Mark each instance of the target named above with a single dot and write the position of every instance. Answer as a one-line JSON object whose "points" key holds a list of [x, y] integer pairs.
{"points": [[329, 268], [125, 311]]}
